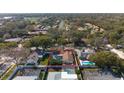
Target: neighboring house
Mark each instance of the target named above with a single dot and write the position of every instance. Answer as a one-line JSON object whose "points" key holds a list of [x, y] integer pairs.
{"points": [[38, 32], [32, 59], [40, 53], [25, 73], [80, 28], [67, 56], [86, 52], [26, 78], [13, 40], [66, 76], [97, 74], [54, 76], [61, 76], [33, 48]]}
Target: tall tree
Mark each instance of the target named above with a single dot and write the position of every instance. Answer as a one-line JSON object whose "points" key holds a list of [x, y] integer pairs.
{"points": [[105, 59], [43, 41]]}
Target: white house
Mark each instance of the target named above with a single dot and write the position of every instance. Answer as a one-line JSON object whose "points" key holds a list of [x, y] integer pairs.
{"points": [[66, 76]]}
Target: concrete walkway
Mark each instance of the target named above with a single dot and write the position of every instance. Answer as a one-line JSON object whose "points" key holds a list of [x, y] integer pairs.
{"points": [[118, 52], [78, 52]]}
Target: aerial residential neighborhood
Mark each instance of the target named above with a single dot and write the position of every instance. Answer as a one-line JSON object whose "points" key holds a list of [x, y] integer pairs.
{"points": [[61, 46]]}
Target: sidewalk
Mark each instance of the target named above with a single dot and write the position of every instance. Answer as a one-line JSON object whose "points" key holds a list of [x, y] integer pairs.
{"points": [[118, 52]]}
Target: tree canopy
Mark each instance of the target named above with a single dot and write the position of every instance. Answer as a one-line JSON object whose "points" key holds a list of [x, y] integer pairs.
{"points": [[43, 41], [105, 59]]}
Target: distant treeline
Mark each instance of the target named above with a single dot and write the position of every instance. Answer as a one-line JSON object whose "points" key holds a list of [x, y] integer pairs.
{"points": [[59, 14]]}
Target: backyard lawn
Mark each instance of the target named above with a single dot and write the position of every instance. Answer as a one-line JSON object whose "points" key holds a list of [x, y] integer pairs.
{"points": [[44, 62], [42, 75], [54, 70]]}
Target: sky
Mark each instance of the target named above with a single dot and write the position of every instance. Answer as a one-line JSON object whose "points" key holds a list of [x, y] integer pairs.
{"points": [[61, 6]]}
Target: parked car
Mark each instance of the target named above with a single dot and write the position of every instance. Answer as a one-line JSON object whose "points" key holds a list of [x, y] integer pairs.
{"points": [[119, 47]]}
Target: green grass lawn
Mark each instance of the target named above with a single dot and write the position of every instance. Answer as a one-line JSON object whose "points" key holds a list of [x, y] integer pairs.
{"points": [[41, 76], [45, 62], [9, 73]]}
